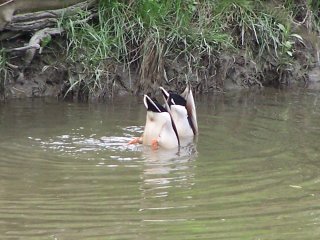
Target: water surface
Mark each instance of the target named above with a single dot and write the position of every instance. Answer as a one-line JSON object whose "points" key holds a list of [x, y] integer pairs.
{"points": [[66, 171]]}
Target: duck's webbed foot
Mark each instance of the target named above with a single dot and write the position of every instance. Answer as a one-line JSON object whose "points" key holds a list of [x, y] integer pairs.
{"points": [[154, 144], [135, 140]]}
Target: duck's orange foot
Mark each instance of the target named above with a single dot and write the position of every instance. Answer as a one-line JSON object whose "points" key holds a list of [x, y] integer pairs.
{"points": [[135, 141], [154, 144]]}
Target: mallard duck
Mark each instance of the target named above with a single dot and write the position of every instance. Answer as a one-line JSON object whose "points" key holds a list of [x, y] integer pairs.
{"points": [[159, 130], [182, 110]]}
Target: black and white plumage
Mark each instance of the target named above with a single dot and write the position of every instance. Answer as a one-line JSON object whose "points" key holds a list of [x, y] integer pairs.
{"points": [[159, 130], [182, 110]]}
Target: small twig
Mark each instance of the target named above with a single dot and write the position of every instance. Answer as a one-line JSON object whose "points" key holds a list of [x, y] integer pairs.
{"points": [[5, 3], [19, 90], [12, 66], [36, 46]]}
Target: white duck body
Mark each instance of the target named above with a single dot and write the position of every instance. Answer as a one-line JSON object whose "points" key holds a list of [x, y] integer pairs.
{"points": [[183, 111], [180, 117], [159, 126]]}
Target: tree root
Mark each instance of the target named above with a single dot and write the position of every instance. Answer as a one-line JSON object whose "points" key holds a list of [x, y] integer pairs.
{"points": [[37, 39], [43, 25], [33, 19]]}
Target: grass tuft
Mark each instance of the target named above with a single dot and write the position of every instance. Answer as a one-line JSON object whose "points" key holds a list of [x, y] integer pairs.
{"points": [[145, 34]]}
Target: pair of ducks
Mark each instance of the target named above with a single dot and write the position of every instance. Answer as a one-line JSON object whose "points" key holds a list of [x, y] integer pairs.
{"points": [[167, 124]]}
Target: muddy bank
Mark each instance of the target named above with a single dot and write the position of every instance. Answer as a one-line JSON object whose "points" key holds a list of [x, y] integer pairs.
{"points": [[51, 75]]}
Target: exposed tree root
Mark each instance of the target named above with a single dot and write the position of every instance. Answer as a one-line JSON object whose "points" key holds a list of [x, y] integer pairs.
{"points": [[37, 21], [42, 25]]}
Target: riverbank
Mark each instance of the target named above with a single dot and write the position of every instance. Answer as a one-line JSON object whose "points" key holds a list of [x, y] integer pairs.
{"points": [[113, 48]]}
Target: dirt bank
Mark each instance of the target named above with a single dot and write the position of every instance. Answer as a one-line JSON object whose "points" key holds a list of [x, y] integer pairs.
{"points": [[50, 74]]}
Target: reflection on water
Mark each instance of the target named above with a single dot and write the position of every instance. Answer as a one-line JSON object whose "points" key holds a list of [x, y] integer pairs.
{"points": [[67, 172], [164, 170]]}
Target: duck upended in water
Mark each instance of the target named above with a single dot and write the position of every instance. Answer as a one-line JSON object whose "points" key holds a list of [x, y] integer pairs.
{"points": [[159, 130], [182, 110]]}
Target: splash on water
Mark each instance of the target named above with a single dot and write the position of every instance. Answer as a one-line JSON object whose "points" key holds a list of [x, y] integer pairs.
{"points": [[82, 141]]}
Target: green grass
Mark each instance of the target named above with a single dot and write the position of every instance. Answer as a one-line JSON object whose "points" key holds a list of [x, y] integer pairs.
{"points": [[141, 33], [145, 33]]}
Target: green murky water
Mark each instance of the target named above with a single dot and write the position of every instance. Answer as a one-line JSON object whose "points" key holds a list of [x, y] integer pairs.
{"points": [[66, 171]]}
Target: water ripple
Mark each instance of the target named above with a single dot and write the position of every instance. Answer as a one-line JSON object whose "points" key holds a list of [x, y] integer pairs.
{"points": [[252, 174]]}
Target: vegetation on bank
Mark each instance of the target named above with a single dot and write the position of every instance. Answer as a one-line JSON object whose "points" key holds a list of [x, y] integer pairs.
{"points": [[139, 45]]}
